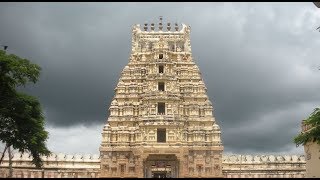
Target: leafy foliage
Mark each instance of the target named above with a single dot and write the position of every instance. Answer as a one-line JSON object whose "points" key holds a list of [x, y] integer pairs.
{"points": [[313, 135], [21, 119]]}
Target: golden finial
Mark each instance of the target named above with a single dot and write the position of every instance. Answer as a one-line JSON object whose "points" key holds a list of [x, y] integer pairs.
{"points": [[160, 23], [145, 26]]}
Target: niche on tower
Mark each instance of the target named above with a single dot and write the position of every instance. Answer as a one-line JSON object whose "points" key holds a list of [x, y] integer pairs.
{"points": [[161, 135], [161, 69], [160, 56], [161, 108], [161, 86]]}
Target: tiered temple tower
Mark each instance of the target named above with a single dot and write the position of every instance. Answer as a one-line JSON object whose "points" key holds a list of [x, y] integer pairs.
{"points": [[161, 122]]}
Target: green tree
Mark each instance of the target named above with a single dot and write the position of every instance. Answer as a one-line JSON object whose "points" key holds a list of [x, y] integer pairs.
{"points": [[312, 135], [21, 118]]}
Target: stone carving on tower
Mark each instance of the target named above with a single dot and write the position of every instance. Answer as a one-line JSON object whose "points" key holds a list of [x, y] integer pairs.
{"points": [[161, 121]]}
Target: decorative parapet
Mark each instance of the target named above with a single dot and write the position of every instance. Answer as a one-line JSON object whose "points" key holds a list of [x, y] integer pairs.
{"points": [[249, 159], [59, 160]]}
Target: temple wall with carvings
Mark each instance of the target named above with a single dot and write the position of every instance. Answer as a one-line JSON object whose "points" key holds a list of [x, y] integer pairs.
{"points": [[233, 166]]}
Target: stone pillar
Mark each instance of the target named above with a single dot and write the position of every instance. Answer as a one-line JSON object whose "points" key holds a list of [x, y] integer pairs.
{"points": [[42, 173], [25, 173], [32, 174], [139, 167], [182, 165]]}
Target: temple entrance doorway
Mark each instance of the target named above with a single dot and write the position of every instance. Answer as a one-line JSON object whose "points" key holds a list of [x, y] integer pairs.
{"points": [[161, 166], [159, 174]]}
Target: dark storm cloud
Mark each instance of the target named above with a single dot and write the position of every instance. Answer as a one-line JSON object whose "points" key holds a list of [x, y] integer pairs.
{"points": [[261, 66], [258, 60], [81, 58]]}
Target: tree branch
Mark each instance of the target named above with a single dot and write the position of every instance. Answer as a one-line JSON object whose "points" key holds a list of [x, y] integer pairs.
{"points": [[4, 151]]}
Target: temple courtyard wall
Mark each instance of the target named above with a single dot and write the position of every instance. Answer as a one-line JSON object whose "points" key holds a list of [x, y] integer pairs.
{"points": [[88, 166]]}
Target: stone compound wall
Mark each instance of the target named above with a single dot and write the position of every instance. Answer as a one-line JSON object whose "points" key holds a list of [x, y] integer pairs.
{"points": [[234, 166], [264, 166], [56, 165]]}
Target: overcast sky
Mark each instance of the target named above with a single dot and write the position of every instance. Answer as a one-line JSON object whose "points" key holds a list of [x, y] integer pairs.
{"points": [[259, 62]]}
